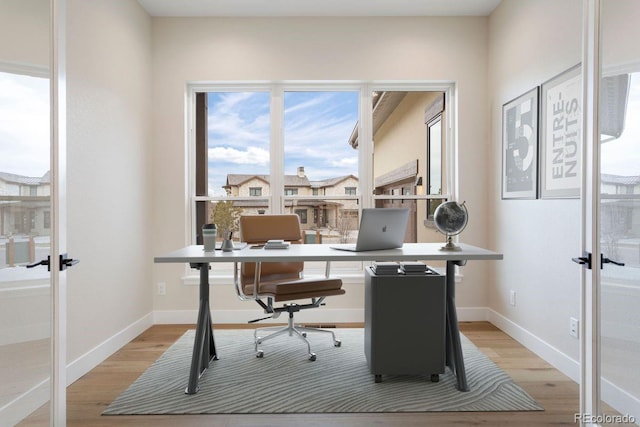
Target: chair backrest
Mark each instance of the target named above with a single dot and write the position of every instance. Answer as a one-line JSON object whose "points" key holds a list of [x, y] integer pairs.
{"points": [[257, 229]]}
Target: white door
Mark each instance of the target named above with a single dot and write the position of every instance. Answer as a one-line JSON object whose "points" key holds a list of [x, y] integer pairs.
{"points": [[610, 345], [32, 228], [619, 212]]}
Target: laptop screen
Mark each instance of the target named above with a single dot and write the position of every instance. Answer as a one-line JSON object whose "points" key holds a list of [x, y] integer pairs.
{"points": [[380, 228]]}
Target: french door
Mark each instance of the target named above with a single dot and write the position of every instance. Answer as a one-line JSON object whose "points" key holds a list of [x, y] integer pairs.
{"points": [[32, 214], [610, 350]]}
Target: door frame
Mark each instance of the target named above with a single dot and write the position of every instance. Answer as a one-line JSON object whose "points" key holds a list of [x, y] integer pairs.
{"points": [[589, 299], [58, 402]]}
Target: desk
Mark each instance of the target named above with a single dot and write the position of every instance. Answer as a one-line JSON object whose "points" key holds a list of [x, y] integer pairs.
{"points": [[204, 351]]}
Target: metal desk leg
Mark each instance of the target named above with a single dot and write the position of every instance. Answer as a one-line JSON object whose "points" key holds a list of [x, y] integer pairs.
{"points": [[455, 359], [204, 348]]}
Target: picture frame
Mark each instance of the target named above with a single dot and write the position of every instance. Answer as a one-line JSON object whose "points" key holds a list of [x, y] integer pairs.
{"points": [[561, 135], [520, 146]]}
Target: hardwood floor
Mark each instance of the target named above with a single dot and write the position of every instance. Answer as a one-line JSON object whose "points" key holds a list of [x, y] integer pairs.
{"points": [[91, 394]]}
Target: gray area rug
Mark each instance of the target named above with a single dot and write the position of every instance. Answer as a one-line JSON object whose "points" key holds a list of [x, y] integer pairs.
{"points": [[285, 381]]}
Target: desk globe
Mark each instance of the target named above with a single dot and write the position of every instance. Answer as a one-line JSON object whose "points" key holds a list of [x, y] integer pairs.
{"points": [[450, 219]]}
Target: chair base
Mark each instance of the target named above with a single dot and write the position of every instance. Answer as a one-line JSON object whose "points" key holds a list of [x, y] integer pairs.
{"points": [[292, 330]]}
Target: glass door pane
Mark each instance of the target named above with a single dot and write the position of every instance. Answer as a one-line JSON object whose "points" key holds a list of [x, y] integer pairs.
{"points": [[25, 231], [620, 213]]}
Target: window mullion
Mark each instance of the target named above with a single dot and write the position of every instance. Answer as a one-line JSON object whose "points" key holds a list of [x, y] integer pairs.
{"points": [[365, 147], [276, 178]]}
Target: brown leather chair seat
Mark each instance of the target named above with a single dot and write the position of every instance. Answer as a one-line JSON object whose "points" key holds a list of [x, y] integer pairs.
{"points": [[282, 281]]}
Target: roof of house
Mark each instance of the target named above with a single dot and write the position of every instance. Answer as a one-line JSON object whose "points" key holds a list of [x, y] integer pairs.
{"points": [[331, 181], [289, 180], [25, 180], [623, 180]]}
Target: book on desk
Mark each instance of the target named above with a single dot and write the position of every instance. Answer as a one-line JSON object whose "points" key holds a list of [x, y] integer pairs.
{"points": [[276, 244]]}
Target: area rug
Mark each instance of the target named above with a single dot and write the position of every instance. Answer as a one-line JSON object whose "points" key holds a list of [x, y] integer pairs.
{"points": [[285, 381]]}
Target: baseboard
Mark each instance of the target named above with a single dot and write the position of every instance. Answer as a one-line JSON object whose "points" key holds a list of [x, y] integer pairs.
{"points": [[323, 315], [98, 354], [25, 404], [620, 400], [546, 351], [472, 314], [20, 407]]}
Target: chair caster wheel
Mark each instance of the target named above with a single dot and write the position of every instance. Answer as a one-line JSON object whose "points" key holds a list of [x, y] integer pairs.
{"points": [[304, 335], [435, 378], [337, 343], [260, 354], [378, 378], [312, 357], [259, 340]]}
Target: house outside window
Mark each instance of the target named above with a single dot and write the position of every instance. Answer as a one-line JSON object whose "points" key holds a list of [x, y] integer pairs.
{"points": [[290, 191], [255, 191], [350, 191]]}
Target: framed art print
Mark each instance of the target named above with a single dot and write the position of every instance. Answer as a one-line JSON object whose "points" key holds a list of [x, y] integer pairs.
{"points": [[561, 135], [520, 147]]}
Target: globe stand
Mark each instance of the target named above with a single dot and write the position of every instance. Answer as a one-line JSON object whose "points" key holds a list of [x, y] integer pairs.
{"points": [[450, 246]]}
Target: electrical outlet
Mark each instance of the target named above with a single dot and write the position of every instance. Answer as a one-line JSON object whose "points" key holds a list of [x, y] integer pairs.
{"points": [[162, 288], [573, 327], [512, 298]]}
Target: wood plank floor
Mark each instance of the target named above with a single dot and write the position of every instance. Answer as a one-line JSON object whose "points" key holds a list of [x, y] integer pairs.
{"points": [[91, 394]]}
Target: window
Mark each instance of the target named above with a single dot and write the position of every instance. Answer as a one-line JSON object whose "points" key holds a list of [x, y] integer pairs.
{"points": [[433, 119], [294, 148], [302, 213]]}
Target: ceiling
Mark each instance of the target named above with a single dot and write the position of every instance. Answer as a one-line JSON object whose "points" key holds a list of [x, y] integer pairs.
{"points": [[260, 8]]}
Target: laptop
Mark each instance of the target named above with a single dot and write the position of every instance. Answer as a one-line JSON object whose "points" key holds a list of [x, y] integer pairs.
{"points": [[381, 228]]}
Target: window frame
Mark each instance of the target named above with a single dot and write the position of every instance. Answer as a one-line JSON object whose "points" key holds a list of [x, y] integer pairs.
{"points": [[277, 198]]}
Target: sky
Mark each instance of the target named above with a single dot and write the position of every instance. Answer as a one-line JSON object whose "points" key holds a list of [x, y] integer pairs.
{"points": [[622, 156], [317, 127], [24, 125]]}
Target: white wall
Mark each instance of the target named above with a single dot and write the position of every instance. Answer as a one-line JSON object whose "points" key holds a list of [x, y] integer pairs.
{"points": [[531, 41], [109, 180], [28, 22], [241, 49]]}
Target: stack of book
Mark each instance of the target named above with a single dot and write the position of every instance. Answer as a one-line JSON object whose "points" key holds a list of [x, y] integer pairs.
{"points": [[413, 268], [385, 268], [276, 244]]}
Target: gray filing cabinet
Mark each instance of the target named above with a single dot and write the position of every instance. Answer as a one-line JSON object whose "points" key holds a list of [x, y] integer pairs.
{"points": [[404, 324]]}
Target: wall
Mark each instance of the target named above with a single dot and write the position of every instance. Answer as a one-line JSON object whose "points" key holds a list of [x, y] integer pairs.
{"points": [[531, 41], [28, 22], [364, 49], [405, 128], [109, 188]]}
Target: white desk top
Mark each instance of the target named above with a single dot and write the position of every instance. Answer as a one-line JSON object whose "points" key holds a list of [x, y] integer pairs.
{"points": [[324, 252]]}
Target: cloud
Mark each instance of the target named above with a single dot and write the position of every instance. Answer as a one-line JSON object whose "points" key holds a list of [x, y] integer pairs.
{"points": [[250, 156], [24, 125]]}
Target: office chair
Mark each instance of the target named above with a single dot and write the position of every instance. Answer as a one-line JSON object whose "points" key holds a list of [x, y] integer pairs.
{"points": [[270, 282]]}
